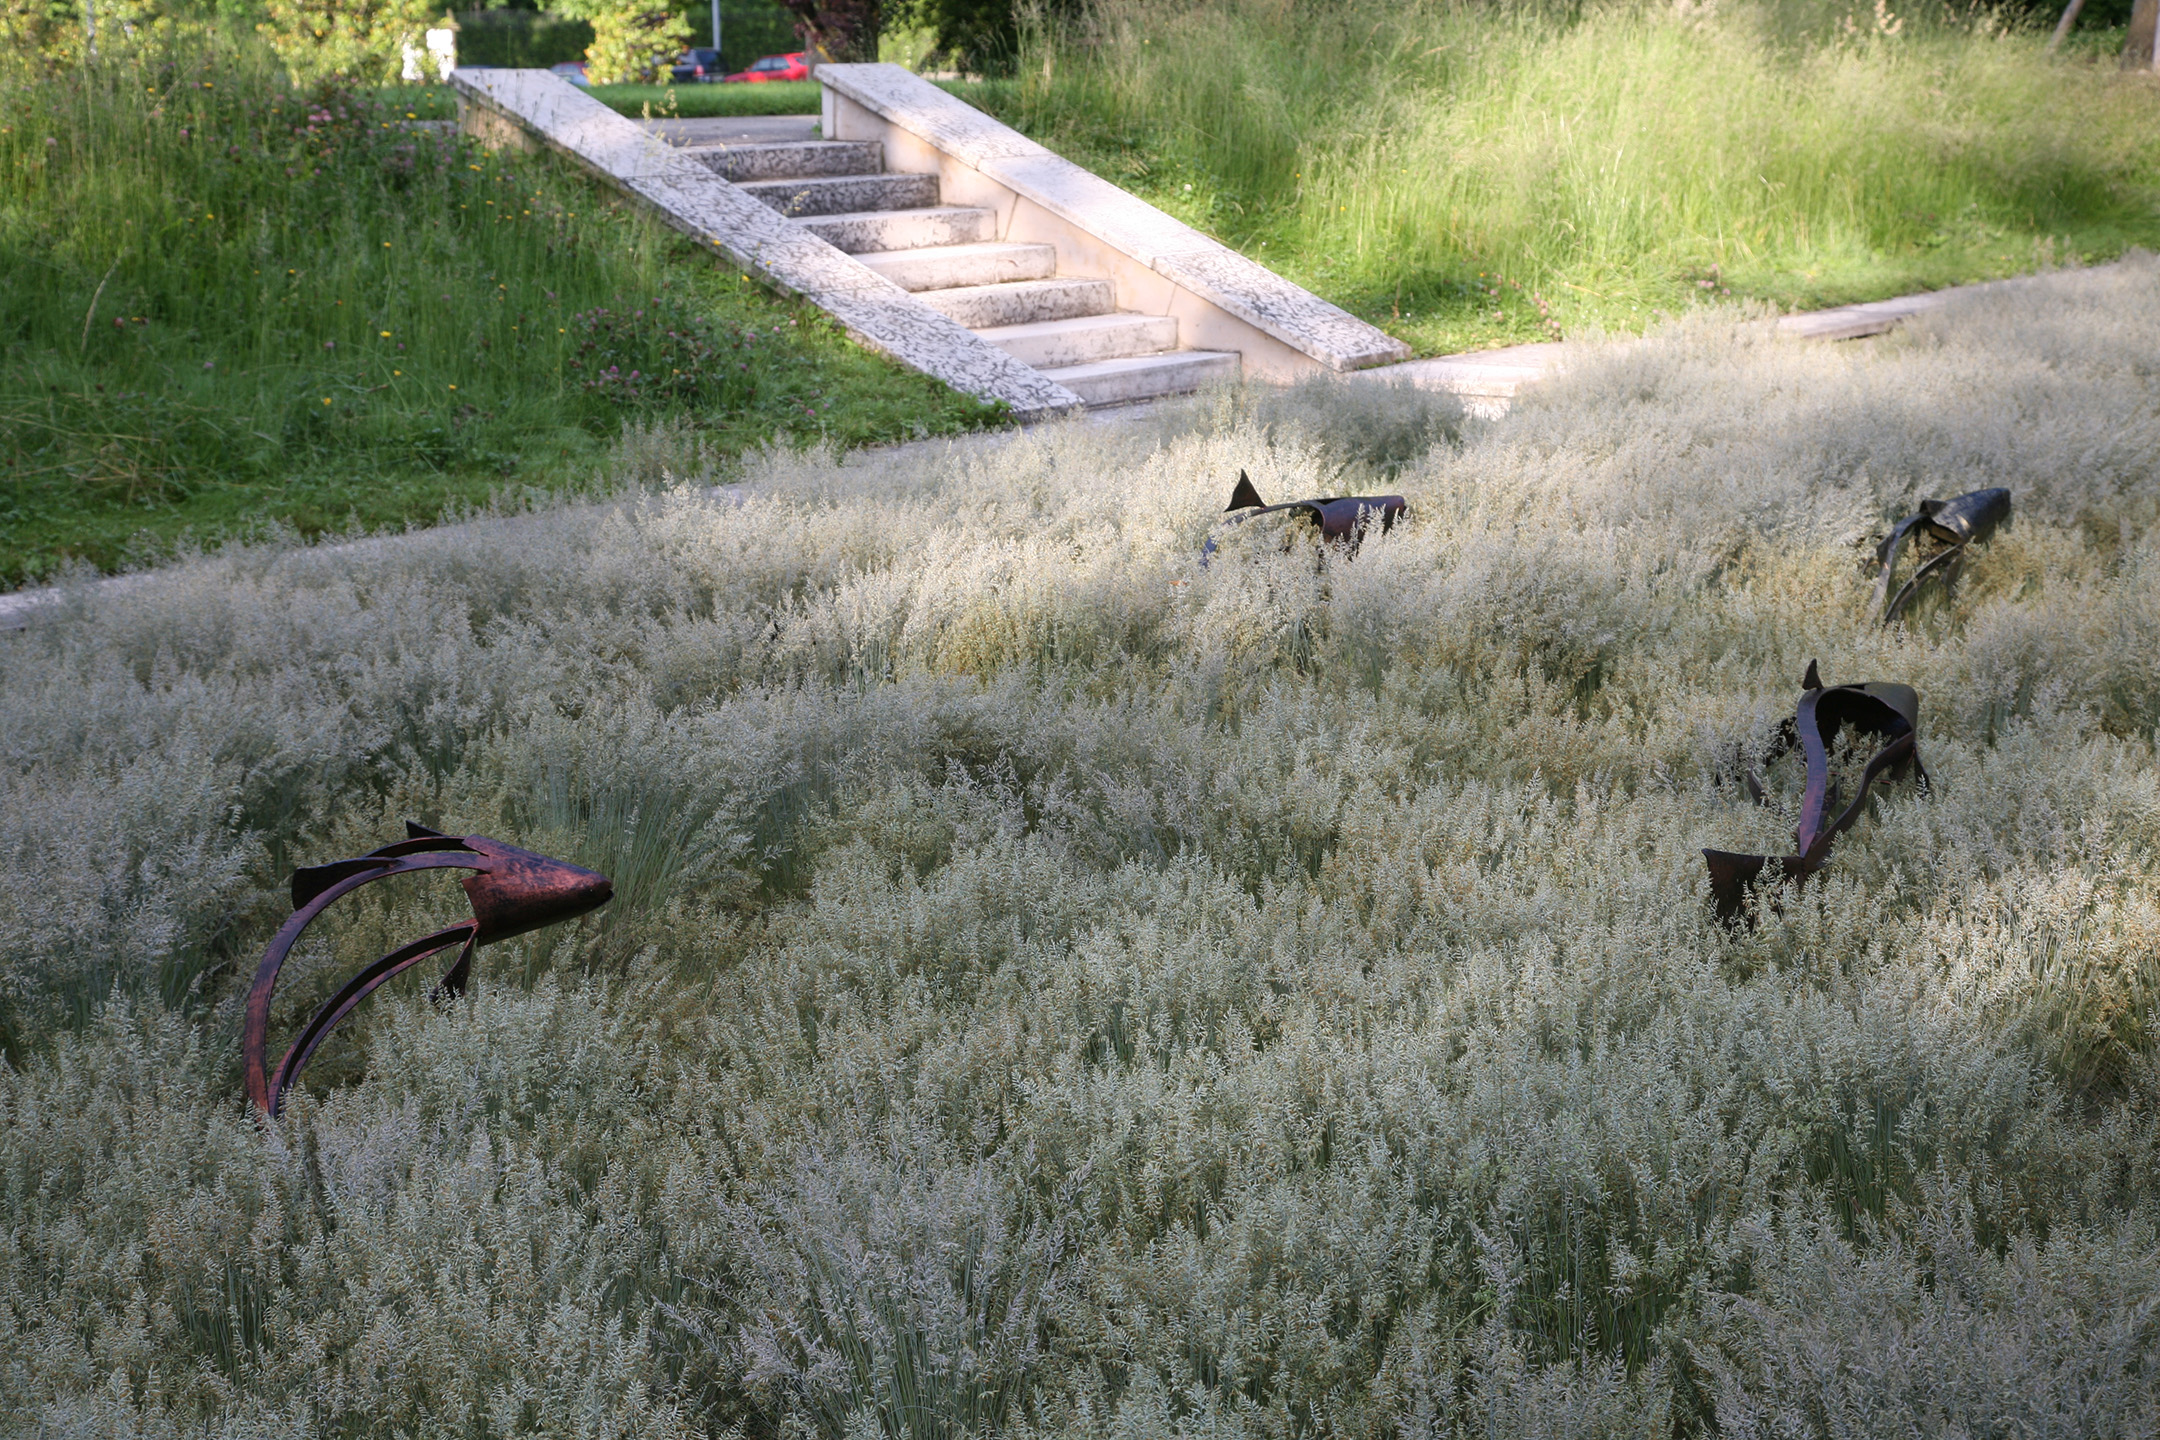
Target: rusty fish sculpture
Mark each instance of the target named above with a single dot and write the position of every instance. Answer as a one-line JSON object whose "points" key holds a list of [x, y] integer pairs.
{"points": [[1888, 712], [1956, 525], [1343, 518], [514, 891]]}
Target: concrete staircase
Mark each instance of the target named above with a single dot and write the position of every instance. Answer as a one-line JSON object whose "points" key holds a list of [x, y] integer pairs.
{"points": [[1010, 294]]}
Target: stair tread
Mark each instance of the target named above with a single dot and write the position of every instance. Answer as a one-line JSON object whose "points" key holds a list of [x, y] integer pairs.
{"points": [[1114, 320], [1018, 287], [912, 212], [830, 181], [858, 231], [772, 144], [925, 268], [753, 163], [957, 252], [1162, 359]]}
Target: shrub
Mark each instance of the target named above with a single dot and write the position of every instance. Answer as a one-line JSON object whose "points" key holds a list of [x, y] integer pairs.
{"points": [[362, 41], [632, 44], [1055, 988]]}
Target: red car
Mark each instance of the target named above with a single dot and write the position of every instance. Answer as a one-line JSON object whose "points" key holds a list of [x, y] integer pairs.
{"points": [[771, 67]]}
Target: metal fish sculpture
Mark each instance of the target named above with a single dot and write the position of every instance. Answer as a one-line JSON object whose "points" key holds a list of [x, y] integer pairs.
{"points": [[1342, 518], [1956, 524], [1875, 708], [514, 891]]}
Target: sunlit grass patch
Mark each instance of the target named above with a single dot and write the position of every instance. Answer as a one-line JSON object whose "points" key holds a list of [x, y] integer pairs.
{"points": [[233, 306], [1471, 176]]}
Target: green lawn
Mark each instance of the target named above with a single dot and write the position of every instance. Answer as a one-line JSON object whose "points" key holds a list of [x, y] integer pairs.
{"points": [[233, 308], [777, 97]]}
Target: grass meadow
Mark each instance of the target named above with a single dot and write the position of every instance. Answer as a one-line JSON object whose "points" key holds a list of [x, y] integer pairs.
{"points": [[233, 307], [1474, 175], [1057, 989]]}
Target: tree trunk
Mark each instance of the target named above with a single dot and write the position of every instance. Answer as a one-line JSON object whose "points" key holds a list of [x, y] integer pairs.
{"points": [[2138, 44], [2062, 28], [837, 29]]}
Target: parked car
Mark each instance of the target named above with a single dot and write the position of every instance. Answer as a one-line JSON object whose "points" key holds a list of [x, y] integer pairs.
{"points": [[773, 67], [572, 71], [697, 67]]}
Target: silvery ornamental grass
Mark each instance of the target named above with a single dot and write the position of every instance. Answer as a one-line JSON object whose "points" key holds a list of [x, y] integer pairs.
{"points": [[1057, 989]]}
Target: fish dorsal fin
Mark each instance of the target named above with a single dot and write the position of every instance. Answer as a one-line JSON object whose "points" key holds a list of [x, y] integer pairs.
{"points": [[416, 831], [1811, 681], [1244, 497]]}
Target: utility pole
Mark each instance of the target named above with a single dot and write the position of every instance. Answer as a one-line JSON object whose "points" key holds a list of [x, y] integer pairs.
{"points": [[716, 30]]}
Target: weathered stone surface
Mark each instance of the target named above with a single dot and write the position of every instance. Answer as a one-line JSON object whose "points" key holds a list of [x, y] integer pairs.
{"points": [[895, 323], [916, 105], [1051, 344], [845, 194], [741, 163], [570, 120], [903, 229], [1126, 223], [1851, 322], [1093, 205], [1143, 377], [1290, 313], [1023, 302], [1487, 380], [755, 237], [734, 129], [942, 267]]}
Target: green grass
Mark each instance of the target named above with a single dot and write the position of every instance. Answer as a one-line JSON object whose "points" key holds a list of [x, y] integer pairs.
{"points": [[776, 97], [1476, 176], [234, 307]]}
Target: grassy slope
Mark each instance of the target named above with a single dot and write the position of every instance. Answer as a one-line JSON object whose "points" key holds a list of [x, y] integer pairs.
{"points": [[1049, 980], [778, 97], [229, 308], [1468, 176]]}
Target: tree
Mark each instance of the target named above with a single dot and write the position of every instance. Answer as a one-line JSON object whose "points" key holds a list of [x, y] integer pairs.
{"points": [[838, 29], [633, 40], [361, 40], [983, 37]]}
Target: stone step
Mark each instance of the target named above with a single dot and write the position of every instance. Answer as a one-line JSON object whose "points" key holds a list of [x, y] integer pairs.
{"points": [[946, 267], [1143, 377], [1022, 302], [845, 194], [741, 163], [901, 229], [1053, 343]]}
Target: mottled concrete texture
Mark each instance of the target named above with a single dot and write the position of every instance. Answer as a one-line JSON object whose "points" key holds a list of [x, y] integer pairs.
{"points": [[503, 105], [1203, 267]]}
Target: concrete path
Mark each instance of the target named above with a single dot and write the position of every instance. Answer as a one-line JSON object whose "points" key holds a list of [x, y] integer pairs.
{"points": [[1488, 379]]}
